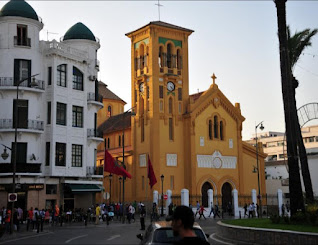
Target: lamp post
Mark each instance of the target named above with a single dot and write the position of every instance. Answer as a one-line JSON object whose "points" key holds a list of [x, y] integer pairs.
{"points": [[123, 163], [110, 188], [257, 167], [162, 178], [120, 179], [5, 155]]}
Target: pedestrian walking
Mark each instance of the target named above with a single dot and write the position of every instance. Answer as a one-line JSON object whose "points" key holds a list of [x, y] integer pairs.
{"points": [[212, 210], [198, 209], [216, 211], [245, 210], [8, 220], [142, 216], [30, 218], [201, 212], [97, 214]]}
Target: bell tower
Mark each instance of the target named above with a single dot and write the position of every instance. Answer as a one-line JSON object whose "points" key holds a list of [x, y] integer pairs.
{"points": [[160, 95]]}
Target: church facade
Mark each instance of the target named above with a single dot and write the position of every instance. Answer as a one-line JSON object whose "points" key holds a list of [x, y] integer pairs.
{"points": [[194, 141]]}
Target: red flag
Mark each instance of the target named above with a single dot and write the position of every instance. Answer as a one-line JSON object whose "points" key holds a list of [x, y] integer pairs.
{"points": [[111, 166], [151, 174]]}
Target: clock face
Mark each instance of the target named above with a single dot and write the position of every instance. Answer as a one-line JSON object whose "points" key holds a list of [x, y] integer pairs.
{"points": [[170, 86], [141, 87]]}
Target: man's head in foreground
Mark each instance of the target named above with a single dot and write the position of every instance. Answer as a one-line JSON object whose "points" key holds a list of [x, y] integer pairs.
{"points": [[182, 221]]}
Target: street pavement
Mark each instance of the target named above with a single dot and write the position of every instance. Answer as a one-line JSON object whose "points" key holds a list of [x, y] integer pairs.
{"points": [[78, 233]]}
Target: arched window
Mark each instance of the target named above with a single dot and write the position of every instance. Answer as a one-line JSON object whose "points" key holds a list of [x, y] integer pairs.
{"points": [[77, 79], [142, 61], [109, 111], [160, 60], [169, 56], [179, 59], [221, 131], [170, 106], [216, 127], [210, 129]]}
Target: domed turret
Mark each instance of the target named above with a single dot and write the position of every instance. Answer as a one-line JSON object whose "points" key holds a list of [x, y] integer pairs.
{"points": [[79, 31], [18, 8]]}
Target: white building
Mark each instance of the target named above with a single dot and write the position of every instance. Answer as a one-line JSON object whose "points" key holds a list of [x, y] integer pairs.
{"points": [[276, 166], [56, 137]]}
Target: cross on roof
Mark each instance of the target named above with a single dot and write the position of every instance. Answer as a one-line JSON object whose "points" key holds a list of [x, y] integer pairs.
{"points": [[213, 78], [159, 5]]}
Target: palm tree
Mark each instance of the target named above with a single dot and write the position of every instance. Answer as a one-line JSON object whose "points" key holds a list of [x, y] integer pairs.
{"points": [[295, 190], [296, 45]]}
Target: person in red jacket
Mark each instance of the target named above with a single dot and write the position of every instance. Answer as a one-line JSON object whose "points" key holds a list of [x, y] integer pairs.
{"points": [[201, 212], [8, 221]]}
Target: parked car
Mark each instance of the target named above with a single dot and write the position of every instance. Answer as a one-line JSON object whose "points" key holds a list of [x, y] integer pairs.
{"points": [[161, 232]]}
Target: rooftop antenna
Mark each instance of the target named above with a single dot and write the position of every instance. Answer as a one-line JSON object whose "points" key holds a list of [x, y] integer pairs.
{"points": [[159, 5], [47, 34]]}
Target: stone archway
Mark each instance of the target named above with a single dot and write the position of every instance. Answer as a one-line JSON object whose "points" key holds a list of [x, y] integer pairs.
{"points": [[204, 192], [226, 195]]}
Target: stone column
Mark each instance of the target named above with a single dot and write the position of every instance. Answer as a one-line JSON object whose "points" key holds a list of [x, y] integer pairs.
{"points": [[155, 197], [210, 198], [235, 203], [168, 201], [280, 201], [185, 197], [254, 200]]}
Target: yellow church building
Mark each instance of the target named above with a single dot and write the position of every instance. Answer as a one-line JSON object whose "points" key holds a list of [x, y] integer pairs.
{"points": [[194, 141]]}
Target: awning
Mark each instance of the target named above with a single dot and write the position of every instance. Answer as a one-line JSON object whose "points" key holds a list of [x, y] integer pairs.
{"points": [[85, 188]]}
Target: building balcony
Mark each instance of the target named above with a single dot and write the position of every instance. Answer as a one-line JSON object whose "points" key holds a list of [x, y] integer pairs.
{"points": [[94, 134], [95, 99], [8, 83], [21, 168], [24, 42], [31, 126], [98, 171]]}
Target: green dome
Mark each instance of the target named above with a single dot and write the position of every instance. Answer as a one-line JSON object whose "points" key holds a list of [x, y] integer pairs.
{"points": [[79, 31], [18, 8]]}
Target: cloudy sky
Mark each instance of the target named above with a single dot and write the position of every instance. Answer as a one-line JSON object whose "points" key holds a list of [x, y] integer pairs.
{"points": [[236, 40]]}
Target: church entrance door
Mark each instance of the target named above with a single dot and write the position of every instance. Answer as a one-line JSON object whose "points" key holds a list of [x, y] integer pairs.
{"points": [[226, 195], [204, 191]]}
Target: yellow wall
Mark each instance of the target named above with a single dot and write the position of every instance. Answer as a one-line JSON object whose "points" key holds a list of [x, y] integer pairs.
{"points": [[117, 108]]}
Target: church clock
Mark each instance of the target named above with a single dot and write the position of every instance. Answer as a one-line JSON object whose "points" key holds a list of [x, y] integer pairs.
{"points": [[170, 86]]}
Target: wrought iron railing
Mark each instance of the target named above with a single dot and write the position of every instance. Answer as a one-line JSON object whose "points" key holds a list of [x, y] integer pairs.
{"points": [[9, 81], [30, 124], [18, 41], [21, 168], [91, 132], [95, 170], [94, 97]]}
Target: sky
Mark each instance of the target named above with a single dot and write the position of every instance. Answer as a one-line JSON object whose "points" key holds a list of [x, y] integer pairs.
{"points": [[236, 40]]}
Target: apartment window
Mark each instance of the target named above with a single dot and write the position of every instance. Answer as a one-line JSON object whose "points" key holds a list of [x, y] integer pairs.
{"points": [[22, 36], [171, 182], [77, 79], [60, 154], [161, 92], [77, 151], [170, 129], [60, 114], [77, 120], [22, 70], [61, 75], [51, 189], [170, 105], [311, 139], [23, 111], [280, 143], [49, 112], [49, 75], [47, 154], [316, 138], [180, 94], [22, 153]]}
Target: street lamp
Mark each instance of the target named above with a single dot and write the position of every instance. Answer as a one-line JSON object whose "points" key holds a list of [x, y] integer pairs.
{"points": [[5, 155], [123, 163], [257, 167], [120, 179], [162, 178], [110, 188]]}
